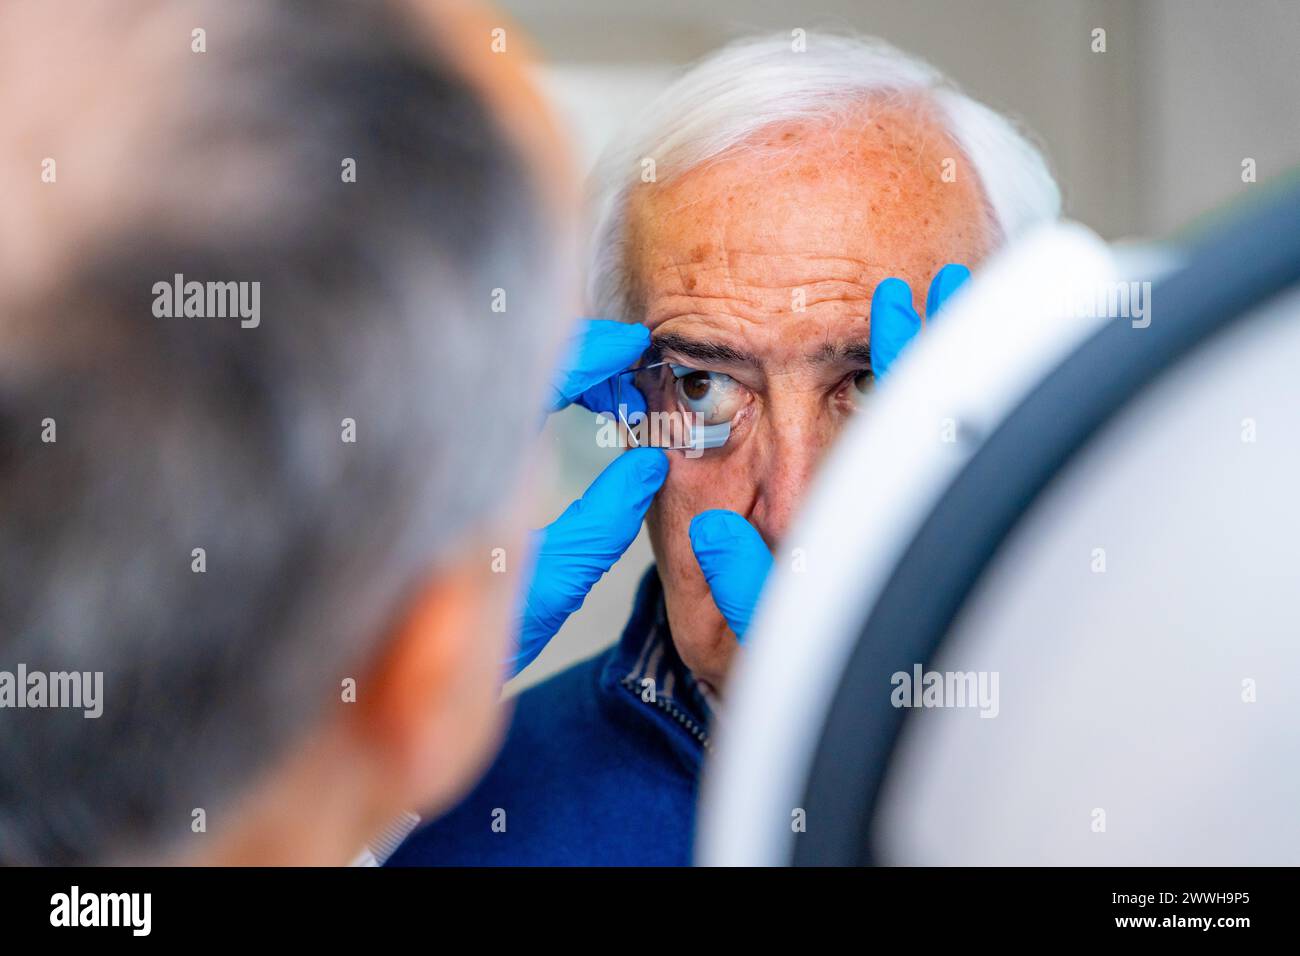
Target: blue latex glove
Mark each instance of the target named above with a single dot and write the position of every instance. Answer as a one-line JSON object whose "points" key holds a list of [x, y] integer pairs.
{"points": [[597, 351], [731, 553], [577, 548], [735, 560], [894, 322]]}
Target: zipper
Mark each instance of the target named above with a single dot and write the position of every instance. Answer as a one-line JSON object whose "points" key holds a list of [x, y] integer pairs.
{"points": [[673, 711]]}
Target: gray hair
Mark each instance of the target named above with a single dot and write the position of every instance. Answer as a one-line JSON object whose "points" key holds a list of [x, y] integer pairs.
{"points": [[174, 434], [756, 82]]}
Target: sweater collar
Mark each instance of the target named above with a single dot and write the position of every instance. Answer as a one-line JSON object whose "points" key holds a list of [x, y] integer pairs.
{"points": [[643, 672]]}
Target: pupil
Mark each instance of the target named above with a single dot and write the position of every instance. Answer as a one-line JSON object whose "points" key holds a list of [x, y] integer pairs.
{"points": [[696, 385], [862, 381]]}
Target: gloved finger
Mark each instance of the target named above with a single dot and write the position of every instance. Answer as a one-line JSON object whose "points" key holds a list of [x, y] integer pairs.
{"points": [[605, 398], [945, 282], [894, 323], [736, 562], [578, 547], [598, 350]]}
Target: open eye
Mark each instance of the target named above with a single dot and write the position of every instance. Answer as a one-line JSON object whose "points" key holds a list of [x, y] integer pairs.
{"points": [[858, 386], [713, 395]]}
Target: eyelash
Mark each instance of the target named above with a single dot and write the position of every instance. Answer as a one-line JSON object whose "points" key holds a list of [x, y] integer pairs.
{"points": [[850, 381]]}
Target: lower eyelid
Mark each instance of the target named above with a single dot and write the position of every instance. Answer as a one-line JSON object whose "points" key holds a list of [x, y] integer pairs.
{"points": [[742, 417], [743, 397]]}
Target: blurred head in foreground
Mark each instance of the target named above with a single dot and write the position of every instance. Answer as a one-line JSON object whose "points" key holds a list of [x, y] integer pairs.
{"points": [[259, 420]]}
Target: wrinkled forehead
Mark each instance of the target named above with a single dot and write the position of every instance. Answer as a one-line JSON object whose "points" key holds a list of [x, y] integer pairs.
{"points": [[823, 208]]}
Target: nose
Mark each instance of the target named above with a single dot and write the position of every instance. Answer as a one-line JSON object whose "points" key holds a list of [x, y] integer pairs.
{"points": [[792, 438]]}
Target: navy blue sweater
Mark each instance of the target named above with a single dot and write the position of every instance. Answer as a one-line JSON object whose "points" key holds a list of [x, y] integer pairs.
{"points": [[599, 767]]}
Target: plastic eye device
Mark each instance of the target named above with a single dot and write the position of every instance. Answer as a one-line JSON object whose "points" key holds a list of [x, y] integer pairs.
{"points": [[669, 422]]}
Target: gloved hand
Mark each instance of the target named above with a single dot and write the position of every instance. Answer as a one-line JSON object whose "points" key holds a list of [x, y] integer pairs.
{"points": [[735, 560], [732, 554], [578, 547], [894, 322], [597, 351]]}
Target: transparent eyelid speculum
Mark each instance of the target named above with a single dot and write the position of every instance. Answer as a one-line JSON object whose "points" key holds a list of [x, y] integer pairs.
{"points": [[698, 436]]}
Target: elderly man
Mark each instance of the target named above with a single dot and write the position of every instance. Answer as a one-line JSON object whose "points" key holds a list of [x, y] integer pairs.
{"points": [[257, 539], [774, 216]]}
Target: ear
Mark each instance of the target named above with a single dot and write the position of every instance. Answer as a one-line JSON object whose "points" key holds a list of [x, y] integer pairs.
{"points": [[430, 710]]}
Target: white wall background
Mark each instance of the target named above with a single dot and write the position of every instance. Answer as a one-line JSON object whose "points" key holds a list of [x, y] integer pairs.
{"points": [[1144, 137]]}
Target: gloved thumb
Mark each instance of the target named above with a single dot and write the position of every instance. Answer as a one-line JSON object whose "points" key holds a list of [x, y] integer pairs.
{"points": [[735, 560], [598, 350]]}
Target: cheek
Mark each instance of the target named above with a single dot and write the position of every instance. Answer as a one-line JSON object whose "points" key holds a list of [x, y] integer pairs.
{"points": [[693, 486], [670, 514]]}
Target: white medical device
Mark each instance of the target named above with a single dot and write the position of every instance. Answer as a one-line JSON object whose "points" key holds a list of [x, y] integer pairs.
{"points": [[1087, 529]]}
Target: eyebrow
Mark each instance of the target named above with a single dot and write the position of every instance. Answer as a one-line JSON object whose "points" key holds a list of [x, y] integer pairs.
{"points": [[704, 350], [859, 351]]}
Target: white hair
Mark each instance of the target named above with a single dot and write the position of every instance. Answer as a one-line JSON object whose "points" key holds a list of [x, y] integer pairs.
{"points": [[753, 83]]}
